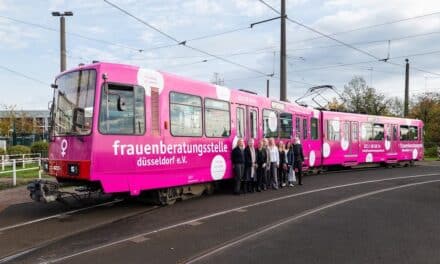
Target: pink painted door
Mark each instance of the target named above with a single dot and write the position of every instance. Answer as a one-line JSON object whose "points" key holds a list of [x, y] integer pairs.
{"points": [[354, 140]]}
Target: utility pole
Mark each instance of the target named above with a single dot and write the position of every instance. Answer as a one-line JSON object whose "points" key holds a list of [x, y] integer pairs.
{"points": [[62, 37], [283, 72], [267, 88], [406, 103]]}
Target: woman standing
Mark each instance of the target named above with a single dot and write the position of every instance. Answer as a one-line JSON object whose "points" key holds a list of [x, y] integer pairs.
{"points": [[282, 169], [290, 163], [250, 163], [274, 163], [298, 160], [237, 157], [261, 166]]}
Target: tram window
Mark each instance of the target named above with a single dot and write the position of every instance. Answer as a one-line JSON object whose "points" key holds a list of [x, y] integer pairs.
{"points": [[304, 128], [354, 131], [122, 110], [403, 133], [270, 124], [185, 115], [253, 122], [367, 131], [298, 127], [217, 118], [314, 128], [394, 132], [378, 132], [285, 125], [333, 130], [413, 133], [240, 122]]}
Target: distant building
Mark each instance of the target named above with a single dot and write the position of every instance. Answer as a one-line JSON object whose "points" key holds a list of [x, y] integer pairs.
{"points": [[29, 125]]}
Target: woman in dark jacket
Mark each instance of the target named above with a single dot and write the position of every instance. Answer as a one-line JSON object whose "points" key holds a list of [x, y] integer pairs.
{"points": [[282, 169], [298, 160], [290, 163], [261, 166], [237, 157]]}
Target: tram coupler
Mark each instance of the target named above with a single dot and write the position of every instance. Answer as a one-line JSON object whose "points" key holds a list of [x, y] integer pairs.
{"points": [[44, 191]]}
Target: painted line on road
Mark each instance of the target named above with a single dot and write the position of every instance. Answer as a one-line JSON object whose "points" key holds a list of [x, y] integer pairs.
{"points": [[227, 212], [60, 215], [273, 226]]}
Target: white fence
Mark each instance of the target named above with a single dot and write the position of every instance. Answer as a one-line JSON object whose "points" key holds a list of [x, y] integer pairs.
{"points": [[11, 162]]}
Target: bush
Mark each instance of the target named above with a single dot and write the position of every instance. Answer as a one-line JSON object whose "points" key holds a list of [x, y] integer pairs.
{"points": [[2, 151], [19, 149], [40, 147], [431, 152]]}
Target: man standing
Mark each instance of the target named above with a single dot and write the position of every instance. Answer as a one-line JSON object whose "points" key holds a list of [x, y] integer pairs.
{"points": [[237, 157], [298, 159]]}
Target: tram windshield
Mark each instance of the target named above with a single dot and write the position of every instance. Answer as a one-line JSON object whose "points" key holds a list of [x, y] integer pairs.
{"points": [[74, 103]]}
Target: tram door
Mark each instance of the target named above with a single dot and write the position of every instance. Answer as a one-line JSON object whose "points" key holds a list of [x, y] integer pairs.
{"points": [[252, 118], [247, 122], [391, 141], [350, 140], [354, 139]]}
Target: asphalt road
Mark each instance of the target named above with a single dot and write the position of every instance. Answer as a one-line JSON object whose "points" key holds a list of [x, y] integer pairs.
{"points": [[362, 216]]}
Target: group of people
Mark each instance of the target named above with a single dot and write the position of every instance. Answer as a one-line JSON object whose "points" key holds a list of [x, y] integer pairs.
{"points": [[267, 166]]}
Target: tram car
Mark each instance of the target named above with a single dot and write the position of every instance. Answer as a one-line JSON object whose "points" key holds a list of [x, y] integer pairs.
{"points": [[124, 129]]}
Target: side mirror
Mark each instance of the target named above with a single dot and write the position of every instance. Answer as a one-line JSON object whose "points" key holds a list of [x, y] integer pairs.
{"points": [[121, 104]]}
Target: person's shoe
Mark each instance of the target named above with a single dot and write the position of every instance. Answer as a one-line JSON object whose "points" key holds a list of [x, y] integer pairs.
{"points": [[300, 184], [291, 185], [283, 184]]}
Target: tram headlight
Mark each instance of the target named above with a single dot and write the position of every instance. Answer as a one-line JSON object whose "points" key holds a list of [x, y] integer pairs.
{"points": [[73, 169]]}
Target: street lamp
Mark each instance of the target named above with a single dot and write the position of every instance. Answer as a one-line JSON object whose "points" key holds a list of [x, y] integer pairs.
{"points": [[62, 37]]}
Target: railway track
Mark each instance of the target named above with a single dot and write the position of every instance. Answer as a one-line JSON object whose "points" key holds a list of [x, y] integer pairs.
{"points": [[141, 236]]}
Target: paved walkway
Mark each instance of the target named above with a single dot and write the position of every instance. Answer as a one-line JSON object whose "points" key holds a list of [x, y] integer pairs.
{"points": [[13, 196]]}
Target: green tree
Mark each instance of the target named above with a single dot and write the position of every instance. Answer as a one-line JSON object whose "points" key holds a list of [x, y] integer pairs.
{"points": [[360, 98], [336, 105], [426, 107]]}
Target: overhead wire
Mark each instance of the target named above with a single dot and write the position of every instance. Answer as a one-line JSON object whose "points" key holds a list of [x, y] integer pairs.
{"points": [[182, 42], [23, 75], [370, 42], [341, 42], [372, 26]]}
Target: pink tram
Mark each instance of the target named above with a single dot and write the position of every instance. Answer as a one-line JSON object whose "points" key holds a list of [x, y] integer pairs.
{"points": [[125, 129]]}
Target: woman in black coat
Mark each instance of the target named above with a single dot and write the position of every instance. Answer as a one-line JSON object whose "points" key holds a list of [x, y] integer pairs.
{"points": [[237, 157], [261, 166], [290, 163], [282, 169], [298, 159]]}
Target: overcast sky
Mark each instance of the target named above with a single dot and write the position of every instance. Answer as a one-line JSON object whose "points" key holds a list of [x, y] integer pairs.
{"points": [[98, 31]]}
